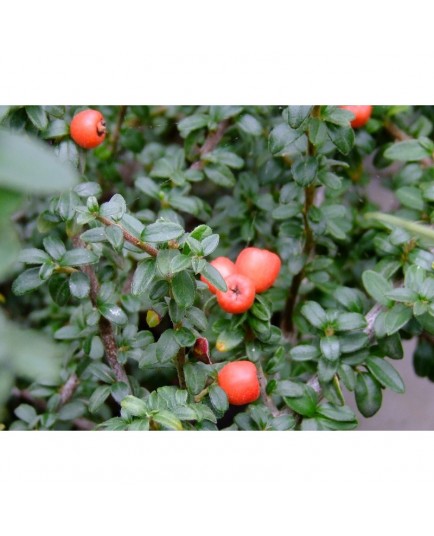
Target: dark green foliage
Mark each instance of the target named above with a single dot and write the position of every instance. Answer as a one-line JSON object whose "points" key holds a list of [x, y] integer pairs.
{"points": [[107, 323]]}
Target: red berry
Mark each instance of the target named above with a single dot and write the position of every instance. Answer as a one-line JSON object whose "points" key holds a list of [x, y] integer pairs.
{"points": [[240, 294], [225, 266], [261, 265], [362, 115], [88, 129], [239, 380]]}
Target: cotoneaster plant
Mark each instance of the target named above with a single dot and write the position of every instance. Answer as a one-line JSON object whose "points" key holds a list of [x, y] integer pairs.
{"points": [[317, 292]]}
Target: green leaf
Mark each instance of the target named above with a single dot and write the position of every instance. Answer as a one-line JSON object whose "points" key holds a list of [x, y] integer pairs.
{"points": [[330, 180], [225, 157], [210, 243], [134, 406], [54, 247], [115, 236], [350, 322], [27, 281], [220, 174], [99, 396], [218, 398], [143, 276], [396, 318], [337, 115], [391, 346], [314, 313], [330, 348], [58, 287], [289, 388], [304, 352], [179, 263], [195, 377], [404, 295], [348, 376], [96, 350], [298, 114], [72, 410], [148, 187], [67, 333], [410, 197], [184, 289], [260, 310], [119, 391], [28, 165], [26, 413], [113, 313], [115, 208], [305, 405], [198, 318], [79, 285], [336, 413], [78, 257], [37, 116], [385, 373], [212, 275], [406, 151], [167, 346], [368, 394], [327, 369], [283, 422], [304, 170], [281, 137], [162, 231], [318, 133], [377, 287], [250, 125], [185, 337], [56, 129], [342, 137], [191, 123], [221, 112], [33, 256], [229, 339], [167, 420]]}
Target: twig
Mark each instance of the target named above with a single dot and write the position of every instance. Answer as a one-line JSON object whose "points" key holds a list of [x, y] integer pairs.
{"points": [[68, 389], [210, 144], [180, 362], [308, 250], [117, 130], [371, 317], [106, 330], [80, 423], [266, 399], [129, 237]]}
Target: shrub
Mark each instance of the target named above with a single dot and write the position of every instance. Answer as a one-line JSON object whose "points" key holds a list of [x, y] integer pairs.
{"points": [[107, 320]]}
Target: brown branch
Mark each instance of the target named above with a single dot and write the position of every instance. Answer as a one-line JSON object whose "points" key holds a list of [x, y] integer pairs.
{"points": [[111, 351], [210, 144], [266, 399], [129, 237], [117, 130], [105, 327], [68, 388], [180, 362], [308, 250]]}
